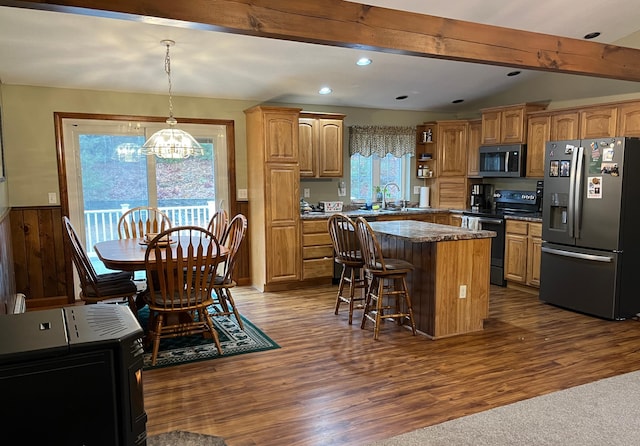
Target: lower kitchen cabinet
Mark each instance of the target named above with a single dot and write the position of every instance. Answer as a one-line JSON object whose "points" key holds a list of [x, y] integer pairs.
{"points": [[317, 250], [523, 242]]}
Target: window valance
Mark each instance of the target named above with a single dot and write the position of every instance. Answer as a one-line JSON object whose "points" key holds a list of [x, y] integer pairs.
{"points": [[381, 140]]}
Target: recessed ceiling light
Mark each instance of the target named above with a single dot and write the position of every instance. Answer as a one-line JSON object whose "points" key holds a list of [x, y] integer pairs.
{"points": [[400, 98], [364, 61], [514, 73], [592, 35], [325, 90], [457, 101]]}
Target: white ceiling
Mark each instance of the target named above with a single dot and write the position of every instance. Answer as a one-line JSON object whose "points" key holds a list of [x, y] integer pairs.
{"points": [[44, 48]]}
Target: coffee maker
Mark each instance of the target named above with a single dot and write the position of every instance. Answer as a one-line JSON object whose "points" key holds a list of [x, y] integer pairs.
{"points": [[481, 197]]}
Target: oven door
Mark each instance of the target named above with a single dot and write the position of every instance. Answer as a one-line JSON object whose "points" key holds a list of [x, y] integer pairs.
{"points": [[497, 225]]}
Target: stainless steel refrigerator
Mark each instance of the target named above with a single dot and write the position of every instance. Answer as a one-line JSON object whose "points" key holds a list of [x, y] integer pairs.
{"points": [[591, 226]]}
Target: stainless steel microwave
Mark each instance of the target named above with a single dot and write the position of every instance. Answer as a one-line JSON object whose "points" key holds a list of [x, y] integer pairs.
{"points": [[503, 161]]}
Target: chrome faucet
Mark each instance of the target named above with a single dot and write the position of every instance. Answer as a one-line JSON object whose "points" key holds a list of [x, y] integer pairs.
{"points": [[384, 194]]}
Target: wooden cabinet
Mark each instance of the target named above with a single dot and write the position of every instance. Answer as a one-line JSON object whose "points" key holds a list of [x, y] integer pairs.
{"points": [[506, 125], [565, 126], [537, 136], [317, 250], [321, 145], [449, 193], [629, 119], [474, 139], [452, 148], [523, 243], [596, 122], [273, 180]]}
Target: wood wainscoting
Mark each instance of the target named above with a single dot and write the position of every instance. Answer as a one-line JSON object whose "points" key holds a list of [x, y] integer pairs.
{"points": [[7, 278], [39, 258]]}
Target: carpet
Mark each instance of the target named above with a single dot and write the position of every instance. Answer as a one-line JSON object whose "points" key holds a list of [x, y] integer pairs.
{"points": [[185, 349], [181, 438], [604, 412]]}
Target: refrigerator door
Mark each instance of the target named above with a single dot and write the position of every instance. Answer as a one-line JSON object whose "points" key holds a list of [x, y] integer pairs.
{"points": [[558, 211], [599, 203], [581, 279]]}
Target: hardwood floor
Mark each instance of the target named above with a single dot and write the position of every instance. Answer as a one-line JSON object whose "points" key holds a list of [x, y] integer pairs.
{"points": [[332, 384]]}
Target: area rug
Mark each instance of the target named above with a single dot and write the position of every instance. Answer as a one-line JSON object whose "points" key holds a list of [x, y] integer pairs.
{"points": [[185, 349], [603, 412], [181, 438]]}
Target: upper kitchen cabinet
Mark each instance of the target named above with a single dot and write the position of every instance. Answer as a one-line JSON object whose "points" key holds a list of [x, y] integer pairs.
{"points": [[539, 127], [273, 180], [629, 119], [473, 147], [506, 125], [598, 121], [565, 126], [452, 148], [321, 145]]}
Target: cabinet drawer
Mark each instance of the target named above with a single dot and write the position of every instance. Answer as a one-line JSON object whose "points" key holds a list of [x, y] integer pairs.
{"points": [[316, 239], [311, 226], [315, 252], [535, 229], [517, 227], [317, 268]]}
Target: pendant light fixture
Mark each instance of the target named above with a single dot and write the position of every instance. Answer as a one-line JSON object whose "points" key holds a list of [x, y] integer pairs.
{"points": [[171, 142]]}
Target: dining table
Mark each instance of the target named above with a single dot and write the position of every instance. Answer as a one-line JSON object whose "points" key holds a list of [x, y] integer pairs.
{"points": [[128, 254]]}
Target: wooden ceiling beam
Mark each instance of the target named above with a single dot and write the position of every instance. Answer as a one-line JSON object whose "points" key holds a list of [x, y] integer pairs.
{"points": [[353, 25]]}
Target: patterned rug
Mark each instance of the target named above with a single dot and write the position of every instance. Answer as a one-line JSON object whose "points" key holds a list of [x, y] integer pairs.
{"points": [[233, 340], [180, 438]]}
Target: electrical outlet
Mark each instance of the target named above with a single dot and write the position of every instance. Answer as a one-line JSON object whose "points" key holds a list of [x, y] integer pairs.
{"points": [[307, 192], [463, 291], [242, 194], [416, 190]]}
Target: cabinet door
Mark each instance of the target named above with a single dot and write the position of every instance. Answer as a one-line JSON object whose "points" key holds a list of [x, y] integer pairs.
{"points": [[534, 254], [515, 262], [306, 147], [537, 137], [565, 126], [598, 122], [450, 193], [629, 119], [473, 148], [512, 128], [281, 130], [452, 148], [282, 256], [330, 148], [491, 127]]}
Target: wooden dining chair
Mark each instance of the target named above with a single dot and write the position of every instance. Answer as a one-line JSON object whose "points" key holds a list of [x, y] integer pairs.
{"points": [[218, 223], [348, 254], [180, 264], [139, 221], [224, 305], [116, 286], [387, 294]]}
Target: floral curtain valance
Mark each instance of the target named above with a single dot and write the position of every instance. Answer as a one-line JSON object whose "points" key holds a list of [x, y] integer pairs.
{"points": [[381, 140]]}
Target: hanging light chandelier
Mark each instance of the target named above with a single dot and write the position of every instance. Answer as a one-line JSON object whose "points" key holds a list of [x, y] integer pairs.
{"points": [[171, 142]]}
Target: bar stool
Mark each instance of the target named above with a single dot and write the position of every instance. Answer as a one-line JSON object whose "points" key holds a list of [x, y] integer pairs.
{"points": [[387, 287], [348, 254]]}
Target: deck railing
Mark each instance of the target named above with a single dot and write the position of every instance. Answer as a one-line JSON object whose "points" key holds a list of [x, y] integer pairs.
{"points": [[102, 224]]}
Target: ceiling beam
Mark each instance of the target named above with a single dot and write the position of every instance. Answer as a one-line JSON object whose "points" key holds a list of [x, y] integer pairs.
{"points": [[353, 25]]}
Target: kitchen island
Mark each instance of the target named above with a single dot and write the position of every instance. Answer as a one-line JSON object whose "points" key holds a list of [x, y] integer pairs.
{"points": [[449, 286]]}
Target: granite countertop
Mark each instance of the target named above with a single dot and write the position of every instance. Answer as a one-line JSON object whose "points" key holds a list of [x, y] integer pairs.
{"points": [[379, 213], [419, 232], [410, 211]]}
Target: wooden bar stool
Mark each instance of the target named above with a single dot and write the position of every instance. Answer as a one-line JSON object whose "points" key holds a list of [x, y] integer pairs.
{"points": [[387, 294], [348, 254]]}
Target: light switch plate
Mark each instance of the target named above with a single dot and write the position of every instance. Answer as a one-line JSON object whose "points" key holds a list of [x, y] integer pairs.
{"points": [[307, 192], [242, 194], [416, 190]]}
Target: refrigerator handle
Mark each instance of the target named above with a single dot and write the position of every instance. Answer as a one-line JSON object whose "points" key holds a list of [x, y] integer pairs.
{"points": [[571, 208], [578, 192], [577, 255]]}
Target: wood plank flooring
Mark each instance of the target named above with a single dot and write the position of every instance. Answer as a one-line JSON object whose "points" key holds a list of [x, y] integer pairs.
{"points": [[332, 384]]}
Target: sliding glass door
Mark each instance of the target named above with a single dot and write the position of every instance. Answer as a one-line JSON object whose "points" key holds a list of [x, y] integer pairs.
{"points": [[106, 174]]}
